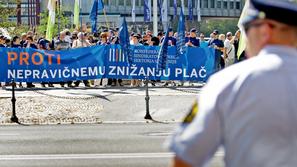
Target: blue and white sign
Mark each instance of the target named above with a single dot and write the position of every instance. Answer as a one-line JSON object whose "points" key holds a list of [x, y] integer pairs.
{"points": [[30, 65]]}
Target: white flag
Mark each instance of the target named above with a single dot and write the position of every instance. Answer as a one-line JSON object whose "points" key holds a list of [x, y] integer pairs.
{"points": [[243, 38], [164, 12], [51, 6], [133, 11]]}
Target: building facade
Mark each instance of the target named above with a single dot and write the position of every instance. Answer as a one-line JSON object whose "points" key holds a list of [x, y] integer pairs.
{"points": [[115, 9]]}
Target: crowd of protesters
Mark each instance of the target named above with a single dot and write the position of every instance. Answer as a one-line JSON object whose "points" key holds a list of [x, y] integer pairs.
{"points": [[225, 45]]}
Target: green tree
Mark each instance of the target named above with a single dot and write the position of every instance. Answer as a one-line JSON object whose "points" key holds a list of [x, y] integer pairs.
{"points": [[222, 25], [7, 11], [207, 26], [59, 25]]}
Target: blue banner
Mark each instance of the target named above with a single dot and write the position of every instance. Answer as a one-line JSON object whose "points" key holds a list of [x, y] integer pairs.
{"points": [[30, 65]]}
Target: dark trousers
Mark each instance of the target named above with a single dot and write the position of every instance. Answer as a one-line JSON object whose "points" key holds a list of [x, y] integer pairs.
{"points": [[217, 63], [113, 81], [222, 63]]}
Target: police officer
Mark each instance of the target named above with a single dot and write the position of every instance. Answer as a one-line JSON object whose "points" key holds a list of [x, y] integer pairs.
{"points": [[250, 108]]}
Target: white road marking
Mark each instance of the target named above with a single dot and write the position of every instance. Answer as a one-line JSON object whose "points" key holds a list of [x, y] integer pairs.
{"points": [[9, 134], [91, 156], [85, 156]]}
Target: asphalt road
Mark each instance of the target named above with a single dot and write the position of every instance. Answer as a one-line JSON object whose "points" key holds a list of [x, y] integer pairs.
{"points": [[88, 145]]}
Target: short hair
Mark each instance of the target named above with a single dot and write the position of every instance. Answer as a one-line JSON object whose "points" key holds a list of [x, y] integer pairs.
{"points": [[30, 38], [229, 34], [103, 35], [15, 38]]}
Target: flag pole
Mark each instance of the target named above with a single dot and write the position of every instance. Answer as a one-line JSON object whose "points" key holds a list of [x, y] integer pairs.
{"points": [[155, 17], [106, 21], [96, 19], [59, 18], [80, 16]]}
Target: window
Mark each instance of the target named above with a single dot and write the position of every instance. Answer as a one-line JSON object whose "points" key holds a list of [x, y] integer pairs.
{"points": [[225, 4], [205, 2], [121, 3], [231, 5], [237, 5], [128, 3], [106, 2], [186, 3], [219, 4], [112, 3], [212, 4], [141, 2]]}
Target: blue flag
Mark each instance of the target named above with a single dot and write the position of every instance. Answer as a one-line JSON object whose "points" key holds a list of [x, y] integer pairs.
{"points": [[124, 41], [147, 11], [190, 7], [175, 7], [97, 5], [163, 53], [160, 9], [180, 41]]}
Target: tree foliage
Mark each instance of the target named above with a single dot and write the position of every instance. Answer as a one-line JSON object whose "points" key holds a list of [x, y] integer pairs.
{"points": [[7, 10], [59, 25], [222, 25], [208, 25]]}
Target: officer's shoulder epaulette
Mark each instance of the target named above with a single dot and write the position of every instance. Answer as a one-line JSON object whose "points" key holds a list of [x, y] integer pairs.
{"points": [[193, 112]]}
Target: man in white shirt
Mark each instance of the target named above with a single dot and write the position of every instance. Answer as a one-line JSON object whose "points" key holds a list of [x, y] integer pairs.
{"points": [[229, 54], [249, 108]]}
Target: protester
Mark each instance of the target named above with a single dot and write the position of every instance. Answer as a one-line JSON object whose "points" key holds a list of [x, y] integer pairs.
{"points": [[103, 41], [229, 55], [192, 40], [81, 42], [116, 40], [203, 42], [249, 108], [23, 39], [16, 43], [30, 44], [135, 42], [171, 38], [222, 39], [236, 46], [2, 41], [218, 45], [63, 44], [43, 44]]}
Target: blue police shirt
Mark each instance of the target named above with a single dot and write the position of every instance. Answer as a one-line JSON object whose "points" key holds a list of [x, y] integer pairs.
{"points": [[218, 43], [194, 41]]}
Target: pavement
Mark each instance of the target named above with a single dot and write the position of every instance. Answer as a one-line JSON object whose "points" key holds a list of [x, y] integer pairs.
{"points": [[97, 105], [89, 145]]}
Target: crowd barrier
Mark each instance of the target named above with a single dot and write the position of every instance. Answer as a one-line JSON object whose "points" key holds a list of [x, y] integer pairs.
{"points": [[30, 65]]}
